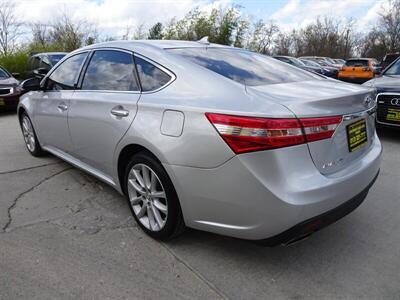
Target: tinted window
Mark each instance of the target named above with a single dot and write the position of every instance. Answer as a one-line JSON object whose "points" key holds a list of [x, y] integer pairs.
{"points": [[394, 69], [110, 70], [357, 63], [55, 58], [3, 74], [244, 66], [44, 63], [66, 74], [151, 77], [35, 62]]}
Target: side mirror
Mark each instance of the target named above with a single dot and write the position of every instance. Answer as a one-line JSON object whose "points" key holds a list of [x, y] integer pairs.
{"points": [[31, 84], [41, 72], [378, 70]]}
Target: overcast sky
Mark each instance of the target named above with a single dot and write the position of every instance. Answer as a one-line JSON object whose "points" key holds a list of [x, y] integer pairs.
{"points": [[113, 16]]}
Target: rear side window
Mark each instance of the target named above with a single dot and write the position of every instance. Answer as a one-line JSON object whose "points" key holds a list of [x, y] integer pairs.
{"points": [[66, 74], [110, 70], [357, 63], [151, 77], [243, 66]]}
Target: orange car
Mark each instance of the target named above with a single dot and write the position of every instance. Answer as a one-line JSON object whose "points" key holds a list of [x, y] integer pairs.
{"points": [[359, 70]]}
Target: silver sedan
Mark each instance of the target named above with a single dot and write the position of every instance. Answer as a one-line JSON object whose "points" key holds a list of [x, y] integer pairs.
{"points": [[209, 137]]}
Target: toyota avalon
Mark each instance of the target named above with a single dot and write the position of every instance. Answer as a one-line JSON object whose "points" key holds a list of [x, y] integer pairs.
{"points": [[207, 136]]}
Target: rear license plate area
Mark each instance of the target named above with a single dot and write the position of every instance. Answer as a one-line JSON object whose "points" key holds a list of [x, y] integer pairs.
{"points": [[357, 135]]}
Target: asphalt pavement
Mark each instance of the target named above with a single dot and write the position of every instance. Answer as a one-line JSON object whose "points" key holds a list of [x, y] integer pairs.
{"points": [[65, 235]]}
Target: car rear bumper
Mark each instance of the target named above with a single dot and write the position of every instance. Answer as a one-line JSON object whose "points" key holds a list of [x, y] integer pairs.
{"points": [[262, 194], [306, 228]]}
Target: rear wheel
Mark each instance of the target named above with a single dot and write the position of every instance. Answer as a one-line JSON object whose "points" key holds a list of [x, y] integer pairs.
{"points": [[152, 197], [30, 138]]}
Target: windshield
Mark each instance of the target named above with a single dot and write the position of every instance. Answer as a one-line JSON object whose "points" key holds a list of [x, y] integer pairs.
{"points": [[55, 58], [310, 63], [242, 66], [394, 69], [297, 62], [4, 74]]}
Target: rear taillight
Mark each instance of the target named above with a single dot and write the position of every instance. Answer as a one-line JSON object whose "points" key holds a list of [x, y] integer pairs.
{"points": [[247, 134]]}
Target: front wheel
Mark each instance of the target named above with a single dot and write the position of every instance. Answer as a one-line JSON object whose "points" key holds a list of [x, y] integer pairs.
{"points": [[152, 197]]}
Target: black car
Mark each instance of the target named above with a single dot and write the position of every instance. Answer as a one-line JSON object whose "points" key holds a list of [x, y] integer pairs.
{"points": [[388, 98], [297, 63], [9, 92], [40, 63], [327, 71]]}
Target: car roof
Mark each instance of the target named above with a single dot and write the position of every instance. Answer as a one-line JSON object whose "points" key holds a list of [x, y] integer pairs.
{"points": [[50, 53], [160, 44]]}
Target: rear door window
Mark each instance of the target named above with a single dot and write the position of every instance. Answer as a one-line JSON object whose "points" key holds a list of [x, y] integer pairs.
{"points": [[110, 70], [151, 77]]}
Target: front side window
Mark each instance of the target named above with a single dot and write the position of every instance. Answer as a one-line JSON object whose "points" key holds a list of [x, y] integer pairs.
{"points": [[151, 77], [243, 66], [110, 70], [66, 75]]}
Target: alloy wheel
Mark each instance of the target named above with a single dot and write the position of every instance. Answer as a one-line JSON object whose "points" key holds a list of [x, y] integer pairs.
{"points": [[29, 135], [147, 197]]}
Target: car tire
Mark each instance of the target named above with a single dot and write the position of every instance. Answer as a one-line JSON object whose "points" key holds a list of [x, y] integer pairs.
{"points": [[30, 138], [152, 197]]}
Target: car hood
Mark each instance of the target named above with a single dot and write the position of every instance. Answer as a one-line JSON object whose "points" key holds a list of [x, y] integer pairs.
{"points": [[316, 97], [8, 82], [385, 83]]}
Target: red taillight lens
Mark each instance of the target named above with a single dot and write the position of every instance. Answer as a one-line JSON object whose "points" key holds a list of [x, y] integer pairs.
{"points": [[246, 134]]}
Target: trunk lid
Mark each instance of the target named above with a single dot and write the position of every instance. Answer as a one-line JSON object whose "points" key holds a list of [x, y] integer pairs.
{"points": [[322, 98]]}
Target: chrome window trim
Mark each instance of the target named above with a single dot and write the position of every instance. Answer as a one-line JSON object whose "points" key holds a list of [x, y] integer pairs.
{"points": [[82, 73], [388, 94], [162, 68]]}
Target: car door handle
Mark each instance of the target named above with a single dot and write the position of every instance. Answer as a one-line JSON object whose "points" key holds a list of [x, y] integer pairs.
{"points": [[62, 106], [119, 111]]}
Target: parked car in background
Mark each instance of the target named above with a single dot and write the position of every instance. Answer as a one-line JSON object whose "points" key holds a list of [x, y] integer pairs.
{"points": [[388, 59], [9, 92], [41, 63], [326, 71], [388, 98], [339, 62], [325, 63], [359, 70], [297, 63], [208, 136]]}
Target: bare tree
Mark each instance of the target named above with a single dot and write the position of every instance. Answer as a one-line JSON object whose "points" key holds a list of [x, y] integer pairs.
{"points": [[40, 34], [263, 36], [390, 25], [70, 34], [10, 27]]}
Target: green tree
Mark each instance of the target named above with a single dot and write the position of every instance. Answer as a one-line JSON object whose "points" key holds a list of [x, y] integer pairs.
{"points": [[156, 32]]}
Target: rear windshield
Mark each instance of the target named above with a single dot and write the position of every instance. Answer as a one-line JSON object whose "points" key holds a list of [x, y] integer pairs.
{"points": [[357, 63], [242, 66]]}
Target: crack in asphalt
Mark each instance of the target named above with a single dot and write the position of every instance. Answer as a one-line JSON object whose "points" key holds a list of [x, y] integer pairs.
{"points": [[30, 168], [12, 206], [196, 273]]}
